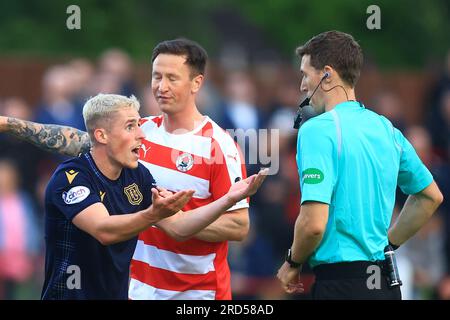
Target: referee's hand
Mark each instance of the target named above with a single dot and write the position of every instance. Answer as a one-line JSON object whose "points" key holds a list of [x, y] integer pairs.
{"points": [[290, 279]]}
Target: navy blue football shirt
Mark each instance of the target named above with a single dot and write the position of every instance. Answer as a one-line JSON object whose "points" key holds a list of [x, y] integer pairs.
{"points": [[77, 266]]}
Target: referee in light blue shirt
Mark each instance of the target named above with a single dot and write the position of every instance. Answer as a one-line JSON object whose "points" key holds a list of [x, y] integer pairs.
{"points": [[350, 161]]}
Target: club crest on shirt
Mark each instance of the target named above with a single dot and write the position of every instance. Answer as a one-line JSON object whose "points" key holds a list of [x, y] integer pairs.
{"points": [[76, 195], [133, 194], [185, 162]]}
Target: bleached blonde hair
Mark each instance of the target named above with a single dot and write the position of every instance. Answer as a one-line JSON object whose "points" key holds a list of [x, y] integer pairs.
{"points": [[101, 107]]}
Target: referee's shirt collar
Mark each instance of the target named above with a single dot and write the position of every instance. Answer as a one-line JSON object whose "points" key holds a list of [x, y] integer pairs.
{"points": [[348, 104]]}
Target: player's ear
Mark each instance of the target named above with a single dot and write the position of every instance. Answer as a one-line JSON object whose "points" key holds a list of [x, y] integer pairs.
{"points": [[197, 83], [101, 135]]}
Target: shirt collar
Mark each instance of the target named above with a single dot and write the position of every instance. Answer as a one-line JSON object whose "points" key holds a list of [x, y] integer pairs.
{"points": [[348, 104]]}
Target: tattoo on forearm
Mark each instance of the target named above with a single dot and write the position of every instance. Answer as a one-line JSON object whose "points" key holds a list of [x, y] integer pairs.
{"points": [[53, 138]]}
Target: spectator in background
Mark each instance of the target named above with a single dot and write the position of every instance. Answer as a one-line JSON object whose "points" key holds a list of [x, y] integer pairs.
{"points": [[58, 105], [117, 64], [388, 104], [239, 109], [83, 73], [19, 240], [105, 82], [437, 125], [444, 109], [285, 107], [208, 99], [280, 194]]}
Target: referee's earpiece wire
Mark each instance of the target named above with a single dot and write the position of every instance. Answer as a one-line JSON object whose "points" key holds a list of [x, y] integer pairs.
{"points": [[305, 102], [338, 85]]}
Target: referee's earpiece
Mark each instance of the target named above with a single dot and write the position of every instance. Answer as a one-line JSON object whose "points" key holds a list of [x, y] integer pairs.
{"points": [[326, 75]]}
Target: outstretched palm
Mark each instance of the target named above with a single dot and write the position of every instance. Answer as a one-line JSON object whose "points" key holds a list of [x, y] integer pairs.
{"points": [[247, 187], [166, 203]]}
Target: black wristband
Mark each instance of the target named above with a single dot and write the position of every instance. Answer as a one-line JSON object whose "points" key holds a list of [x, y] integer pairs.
{"points": [[289, 260], [395, 247]]}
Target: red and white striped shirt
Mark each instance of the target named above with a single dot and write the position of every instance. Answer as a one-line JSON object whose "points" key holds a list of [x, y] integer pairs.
{"points": [[208, 161]]}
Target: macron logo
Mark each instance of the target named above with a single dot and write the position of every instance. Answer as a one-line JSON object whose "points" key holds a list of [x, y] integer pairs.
{"points": [[75, 195]]}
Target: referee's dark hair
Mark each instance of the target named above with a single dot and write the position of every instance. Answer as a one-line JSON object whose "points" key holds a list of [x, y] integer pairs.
{"points": [[196, 56], [337, 49]]}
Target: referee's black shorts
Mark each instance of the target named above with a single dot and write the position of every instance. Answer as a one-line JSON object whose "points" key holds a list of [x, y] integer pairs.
{"points": [[352, 280]]}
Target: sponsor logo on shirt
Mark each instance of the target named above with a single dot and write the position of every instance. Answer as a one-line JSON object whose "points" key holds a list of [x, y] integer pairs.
{"points": [[312, 176], [185, 162], [102, 195], [133, 194], [76, 195]]}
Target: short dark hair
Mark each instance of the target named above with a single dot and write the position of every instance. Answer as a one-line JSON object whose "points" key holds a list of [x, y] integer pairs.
{"points": [[338, 50], [196, 56]]}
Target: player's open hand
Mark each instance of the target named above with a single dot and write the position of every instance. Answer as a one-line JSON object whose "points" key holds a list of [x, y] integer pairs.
{"points": [[163, 192], [166, 203], [247, 187]]}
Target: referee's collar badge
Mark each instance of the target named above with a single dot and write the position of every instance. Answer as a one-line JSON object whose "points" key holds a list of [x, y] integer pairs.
{"points": [[184, 162]]}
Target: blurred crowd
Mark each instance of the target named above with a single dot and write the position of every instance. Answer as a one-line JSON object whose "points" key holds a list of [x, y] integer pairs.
{"points": [[235, 95]]}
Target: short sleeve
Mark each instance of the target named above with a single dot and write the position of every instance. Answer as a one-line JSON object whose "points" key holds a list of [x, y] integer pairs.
{"points": [[71, 191], [227, 168], [413, 175], [317, 161]]}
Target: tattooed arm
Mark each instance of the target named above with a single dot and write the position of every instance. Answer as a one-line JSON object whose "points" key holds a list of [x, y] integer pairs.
{"points": [[53, 138]]}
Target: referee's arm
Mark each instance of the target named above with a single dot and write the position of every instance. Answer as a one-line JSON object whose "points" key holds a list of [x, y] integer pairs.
{"points": [[309, 229], [424, 198], [416, 212]]}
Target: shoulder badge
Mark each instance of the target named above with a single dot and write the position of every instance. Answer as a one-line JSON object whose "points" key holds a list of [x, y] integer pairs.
{"points": [[76, 195]]}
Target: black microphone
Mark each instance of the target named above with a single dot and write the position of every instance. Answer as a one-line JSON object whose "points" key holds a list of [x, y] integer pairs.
{"points": [[304, 103], [299, 116]]}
